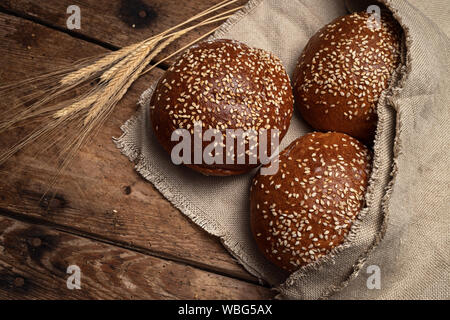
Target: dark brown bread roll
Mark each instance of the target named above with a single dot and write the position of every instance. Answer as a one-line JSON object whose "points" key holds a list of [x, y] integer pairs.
{"points": [[225, 85], [342, 72], [299, 214]]}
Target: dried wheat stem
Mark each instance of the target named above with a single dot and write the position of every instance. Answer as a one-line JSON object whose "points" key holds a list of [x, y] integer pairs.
{"points": [[116, 56], [180, 50], [116, 74], [95, 96], [216, 7], [136, 54], [117, 71], [36, 134], [98, 66], [100, 96], [86, 102], [124, 78]]}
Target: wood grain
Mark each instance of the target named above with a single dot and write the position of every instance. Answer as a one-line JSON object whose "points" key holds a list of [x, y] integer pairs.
{"points": [[100, 195], [119, 22], [34, 262]]}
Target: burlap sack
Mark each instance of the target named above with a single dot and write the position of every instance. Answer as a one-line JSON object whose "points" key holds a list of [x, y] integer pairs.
{"points": [[404, 228]]}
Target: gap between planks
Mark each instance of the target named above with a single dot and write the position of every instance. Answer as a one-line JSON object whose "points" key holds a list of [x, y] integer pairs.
{"points": [[36, 257], [124, 245], [162, 65]]}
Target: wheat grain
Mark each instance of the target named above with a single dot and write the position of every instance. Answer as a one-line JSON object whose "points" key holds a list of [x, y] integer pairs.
{"points": [[125, 76], [77, 106], [98, 66]]}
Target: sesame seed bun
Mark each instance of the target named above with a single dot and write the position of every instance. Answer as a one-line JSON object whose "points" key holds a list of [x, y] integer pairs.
{"points": [[225, 85], [342, 72], [307, 208]]}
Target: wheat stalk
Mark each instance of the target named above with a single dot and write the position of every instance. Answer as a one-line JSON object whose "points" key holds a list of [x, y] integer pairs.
{"points": [[135, 57], [113, 72], [98, 66], [118, 55]]}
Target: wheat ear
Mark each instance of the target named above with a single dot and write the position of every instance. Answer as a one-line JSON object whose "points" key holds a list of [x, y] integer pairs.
{"points": [[113, 72]]}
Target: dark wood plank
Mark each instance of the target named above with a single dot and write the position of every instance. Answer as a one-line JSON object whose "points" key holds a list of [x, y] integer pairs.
{"points": [[34, 262], [101, 195], [119, 22]]}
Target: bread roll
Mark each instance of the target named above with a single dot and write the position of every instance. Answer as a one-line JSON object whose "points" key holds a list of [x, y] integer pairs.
{"points": [[342, 72], [305, 210], [225, 85]]}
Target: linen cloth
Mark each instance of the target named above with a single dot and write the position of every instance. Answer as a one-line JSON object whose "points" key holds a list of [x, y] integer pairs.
{"points": [[404, 228]]}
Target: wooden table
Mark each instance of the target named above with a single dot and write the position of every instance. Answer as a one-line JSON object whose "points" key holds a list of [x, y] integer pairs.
{"points": [[128, 241]]}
